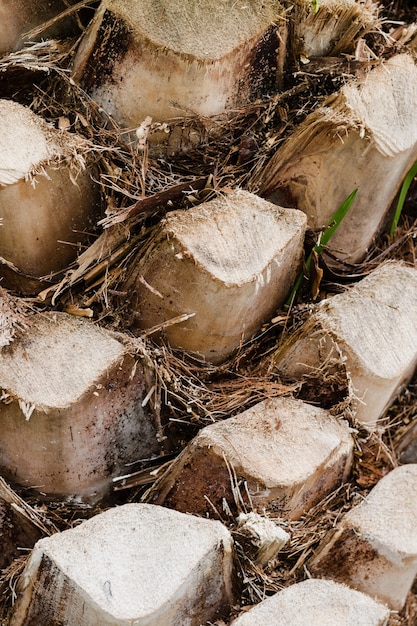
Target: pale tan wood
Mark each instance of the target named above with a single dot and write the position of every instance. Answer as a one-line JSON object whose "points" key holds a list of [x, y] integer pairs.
{"points": [[289, 454], [227, 264], [374, 546], [266, 537], [70, 411], [364, 137], [134, 564], [20, 16], [48, 200], [370, 331], [317, 603], [333, 29], [171, 59]]}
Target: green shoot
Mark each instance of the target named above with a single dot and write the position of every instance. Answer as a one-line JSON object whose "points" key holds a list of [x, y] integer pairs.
{"points": [[335, 221], [322, 242], [403, 194], [315, 5]]}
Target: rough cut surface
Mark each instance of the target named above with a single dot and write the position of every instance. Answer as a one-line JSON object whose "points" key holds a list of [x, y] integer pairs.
{"points": [[235, 238], [229, 262], [71, 393], [289, 453], [374, 546], [173, 59], [205, 31], [266, 537], [387, 301], [57, 361], [333, 29], [372, 125], [28, 143], [316, 603], [48, 201], [373, 327], [135, 564], [23, 142], [391, 126]]}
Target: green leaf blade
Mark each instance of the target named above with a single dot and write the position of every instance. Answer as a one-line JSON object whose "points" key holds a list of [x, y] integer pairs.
{"points": [[334, 223], [403, 194], [336, 219]]}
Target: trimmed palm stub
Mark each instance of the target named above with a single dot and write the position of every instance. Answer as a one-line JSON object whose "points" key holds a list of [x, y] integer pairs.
{"points": [[135, 564], [328, 29], [48, 202], [227, 264], [288, 454], [167, 59], [370, 331], [71, 413], [316, 603], [20, 16], [373, 547], [365, 133]]}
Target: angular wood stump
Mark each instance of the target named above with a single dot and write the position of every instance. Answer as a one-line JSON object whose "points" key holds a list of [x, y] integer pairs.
{"points": [[169, 59], [374, 546], [228, 263], [332, 30], [48, 201], [370, 330], [289, 455], [316, 603], [71, 414], [135, 564], [364, 137]]}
